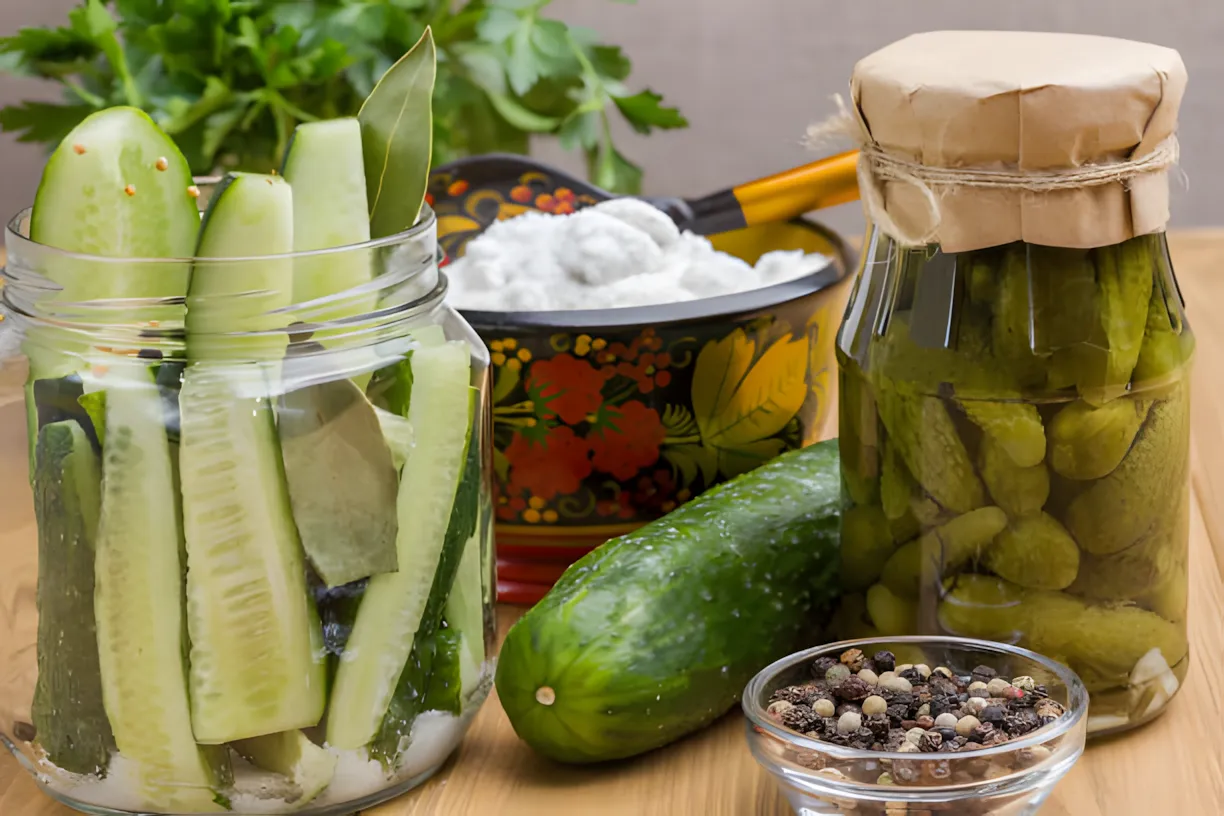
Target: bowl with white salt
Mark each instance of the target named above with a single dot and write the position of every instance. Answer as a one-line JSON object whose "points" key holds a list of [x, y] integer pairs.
{"points": [[634, 365]]}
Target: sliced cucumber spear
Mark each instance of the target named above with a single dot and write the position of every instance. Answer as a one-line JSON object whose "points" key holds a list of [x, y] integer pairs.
{"points": [[118, 187], [256, 664], [393, 606], [465, 610], [139, 602], [68, 712], [324, 167]]}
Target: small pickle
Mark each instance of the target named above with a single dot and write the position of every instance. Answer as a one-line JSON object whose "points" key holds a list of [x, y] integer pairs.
{"points": [[927, 441], [1035, 552], [866, 543], [907, 508], [1101, 641], [941, 552], [1124, 287], [1164, 351], [1015, 427], [1117, 510], [1018, 490], [1158, 559], [1012, 306], [890, 614], [983, 284], [1088, 443]]}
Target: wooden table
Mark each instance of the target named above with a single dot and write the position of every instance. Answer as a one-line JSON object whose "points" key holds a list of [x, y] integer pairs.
{"points": [[1173, 766]]}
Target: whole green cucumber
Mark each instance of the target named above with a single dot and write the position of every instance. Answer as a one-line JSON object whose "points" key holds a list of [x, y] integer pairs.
{"points": [[654, 635]]}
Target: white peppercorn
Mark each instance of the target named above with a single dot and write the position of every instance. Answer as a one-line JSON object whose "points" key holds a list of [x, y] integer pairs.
{"points": [[824, 708], [1024, 682], [914, 735], [897, 683], [997, 687], [835, 675], [946, 720], [869, 677], [976, 689], [923, 670], [874, 705], [974, 705], [849, 722], [944, 670], [777, 707], [924, 710], [888, 675], [966, 724]]}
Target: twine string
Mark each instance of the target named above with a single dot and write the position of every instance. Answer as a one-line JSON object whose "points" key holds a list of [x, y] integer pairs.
{"points": [[877, 166]]}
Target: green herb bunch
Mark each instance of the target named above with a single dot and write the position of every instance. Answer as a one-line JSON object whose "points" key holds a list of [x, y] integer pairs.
{"points": [[230, 79]]}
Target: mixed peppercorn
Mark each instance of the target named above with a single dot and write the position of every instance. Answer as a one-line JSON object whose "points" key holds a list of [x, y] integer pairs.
{"points": [[874, 704]]}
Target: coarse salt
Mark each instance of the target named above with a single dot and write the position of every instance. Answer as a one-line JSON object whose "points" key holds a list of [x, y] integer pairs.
{"points": [[619, 253]]}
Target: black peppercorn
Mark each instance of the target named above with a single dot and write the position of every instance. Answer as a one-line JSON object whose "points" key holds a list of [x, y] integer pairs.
{"points": [[897, 713], [828, 727], [943, 704], [961, 742], [821, 665], [982, 733], [911, 674], [1021, 722], [800, 718], [930, 742], [878, 726], [904, 698], [884, 662], [984, 674], [1040, 691], [795, 694], [941, 686], [993, 714], [948, 734], [853, 688], [862, 739]]}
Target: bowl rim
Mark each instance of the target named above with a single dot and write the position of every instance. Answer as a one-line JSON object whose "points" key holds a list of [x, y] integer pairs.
{"points": [[841, 262], [1077, 707]]}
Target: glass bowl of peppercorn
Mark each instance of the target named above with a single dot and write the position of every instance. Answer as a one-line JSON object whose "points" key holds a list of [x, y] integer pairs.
{"points": [[917, 725]]}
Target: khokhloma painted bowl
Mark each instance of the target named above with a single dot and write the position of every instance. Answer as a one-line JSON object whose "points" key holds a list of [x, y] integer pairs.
{"points": [[607, 419]]}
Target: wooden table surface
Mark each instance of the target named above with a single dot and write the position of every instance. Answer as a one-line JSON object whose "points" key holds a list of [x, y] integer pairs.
{"points": [[1173, 766]]}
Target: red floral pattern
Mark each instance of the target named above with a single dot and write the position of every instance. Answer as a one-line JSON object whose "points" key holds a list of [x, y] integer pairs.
{"points": [[566, 387], [556, 464], [628, 441]]}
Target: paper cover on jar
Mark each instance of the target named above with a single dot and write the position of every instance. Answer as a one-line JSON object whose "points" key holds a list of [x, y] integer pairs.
{"points": [[985, 138]]}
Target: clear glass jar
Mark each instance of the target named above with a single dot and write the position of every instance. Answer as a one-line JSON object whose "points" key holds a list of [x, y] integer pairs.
{"points": [[1015, 453], [248, 554]]}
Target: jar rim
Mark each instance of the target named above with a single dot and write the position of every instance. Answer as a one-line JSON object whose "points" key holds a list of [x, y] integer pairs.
{"points": [[16, 239]]}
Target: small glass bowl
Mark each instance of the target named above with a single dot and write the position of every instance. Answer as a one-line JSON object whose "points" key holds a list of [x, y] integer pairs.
{"points": [[1011, 779]]}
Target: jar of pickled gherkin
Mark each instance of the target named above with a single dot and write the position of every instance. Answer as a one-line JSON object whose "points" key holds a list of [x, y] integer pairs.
{"points": [[1014, 404], [246, 533]]}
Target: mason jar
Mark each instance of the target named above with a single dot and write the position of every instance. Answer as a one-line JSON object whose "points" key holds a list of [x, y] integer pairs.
{"points": [[246, 539], [1015, 449]]}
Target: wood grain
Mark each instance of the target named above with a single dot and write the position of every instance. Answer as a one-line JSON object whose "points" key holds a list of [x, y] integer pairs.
{"points": [[1173, 766]]}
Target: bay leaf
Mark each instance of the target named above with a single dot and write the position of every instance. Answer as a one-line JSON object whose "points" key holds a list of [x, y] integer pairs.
{"points": [[397, 139], [342, 481]]}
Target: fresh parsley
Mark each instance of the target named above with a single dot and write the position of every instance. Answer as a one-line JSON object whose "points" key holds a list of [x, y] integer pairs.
{"points": [[230, 79]]}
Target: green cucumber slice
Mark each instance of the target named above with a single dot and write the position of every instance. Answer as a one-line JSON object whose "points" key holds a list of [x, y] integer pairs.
{"points": [[68, 713], [432, 680], [138, 602], [324, 165], [342, 481], [255, 668], [399, 435], [465, 609], [292, 754], [391, 610], [250, 218]]}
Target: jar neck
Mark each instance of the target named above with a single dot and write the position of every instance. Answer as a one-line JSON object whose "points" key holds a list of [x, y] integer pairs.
{"points": [[333, 308]]}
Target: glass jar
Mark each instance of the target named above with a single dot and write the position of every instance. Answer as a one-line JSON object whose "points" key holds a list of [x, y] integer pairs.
{"points": [[247, 561], [1015, 452]]}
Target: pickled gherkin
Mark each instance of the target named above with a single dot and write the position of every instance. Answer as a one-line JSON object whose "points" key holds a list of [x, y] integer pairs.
{"points": [[1018, 490], [1028, 460]]}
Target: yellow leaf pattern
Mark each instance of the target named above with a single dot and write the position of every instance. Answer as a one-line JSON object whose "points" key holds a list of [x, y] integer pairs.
{"points": [[741, 400]]}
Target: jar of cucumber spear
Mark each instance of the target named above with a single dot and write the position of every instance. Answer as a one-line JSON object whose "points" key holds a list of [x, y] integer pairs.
{"points": [[1014, 362], [250, 567]]}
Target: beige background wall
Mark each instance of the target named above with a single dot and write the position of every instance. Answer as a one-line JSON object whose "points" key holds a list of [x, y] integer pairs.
{"points": [[751, 75]]}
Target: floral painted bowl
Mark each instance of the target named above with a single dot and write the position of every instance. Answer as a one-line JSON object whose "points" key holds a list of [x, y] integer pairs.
{"points": [[606, 419]]}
